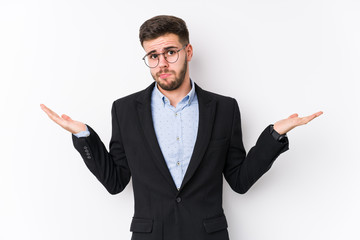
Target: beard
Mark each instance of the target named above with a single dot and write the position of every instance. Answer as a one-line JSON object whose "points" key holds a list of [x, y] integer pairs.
{"points": [[176, 83]]}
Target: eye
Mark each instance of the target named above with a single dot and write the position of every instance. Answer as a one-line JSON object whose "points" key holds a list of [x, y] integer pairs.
{"points": [[153, 56], [170, 52]]}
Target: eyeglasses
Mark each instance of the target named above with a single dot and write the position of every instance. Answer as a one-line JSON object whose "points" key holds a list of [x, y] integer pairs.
{"points": [[171, 55]]}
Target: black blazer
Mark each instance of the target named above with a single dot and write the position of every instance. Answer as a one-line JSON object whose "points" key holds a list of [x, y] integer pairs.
{"points": [[162, 212]]}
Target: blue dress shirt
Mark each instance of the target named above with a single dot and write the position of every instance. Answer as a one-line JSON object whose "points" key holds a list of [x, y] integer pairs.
{"points": [[175, 128]]}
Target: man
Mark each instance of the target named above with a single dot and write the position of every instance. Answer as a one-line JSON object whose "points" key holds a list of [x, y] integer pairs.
{"points": [[176, 141]]}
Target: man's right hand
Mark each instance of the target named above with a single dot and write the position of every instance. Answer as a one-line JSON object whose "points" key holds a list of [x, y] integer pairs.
{"points": [[64, 121]]}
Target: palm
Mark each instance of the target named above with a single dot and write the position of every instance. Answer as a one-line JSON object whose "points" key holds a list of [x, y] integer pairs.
{"points": [[64, 121], [285, 125]]}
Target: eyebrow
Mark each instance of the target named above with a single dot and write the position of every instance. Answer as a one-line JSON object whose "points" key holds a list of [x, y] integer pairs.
{"points": [[167, 48]]}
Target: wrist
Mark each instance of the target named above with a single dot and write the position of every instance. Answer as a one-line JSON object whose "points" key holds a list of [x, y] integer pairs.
{"points": [[276, 135]]}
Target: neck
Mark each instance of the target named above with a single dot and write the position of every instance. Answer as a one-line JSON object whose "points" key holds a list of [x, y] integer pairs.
{"points": [[176, 95]]}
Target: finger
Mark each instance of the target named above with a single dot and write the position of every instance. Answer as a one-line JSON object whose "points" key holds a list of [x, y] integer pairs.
{"points": [[44, 108], [307, 119], [48, 111], [66, 117], [319, 113], [52, 115]]}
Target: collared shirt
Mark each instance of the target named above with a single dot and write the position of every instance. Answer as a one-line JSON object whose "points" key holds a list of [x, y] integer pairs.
{"points": [[176, 130]]}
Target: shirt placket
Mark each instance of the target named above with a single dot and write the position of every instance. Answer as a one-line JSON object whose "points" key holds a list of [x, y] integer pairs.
{"points": [[179, 141]]}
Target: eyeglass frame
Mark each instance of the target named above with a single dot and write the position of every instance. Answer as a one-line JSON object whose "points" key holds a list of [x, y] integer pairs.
{"points": [[177, 51]]}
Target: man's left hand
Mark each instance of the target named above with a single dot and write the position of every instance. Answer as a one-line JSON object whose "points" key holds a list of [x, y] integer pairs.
{"points": [[285, 125]]}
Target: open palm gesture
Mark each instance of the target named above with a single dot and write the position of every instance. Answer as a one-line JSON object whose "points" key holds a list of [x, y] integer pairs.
{"points": [[64, 121], [285, 125]]}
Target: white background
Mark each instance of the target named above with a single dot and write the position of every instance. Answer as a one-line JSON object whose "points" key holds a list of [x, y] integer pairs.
{"points": [[275, 57]]}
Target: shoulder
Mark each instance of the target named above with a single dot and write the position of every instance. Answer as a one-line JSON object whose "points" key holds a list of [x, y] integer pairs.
{"points": [[140, 96], [211, 96]]}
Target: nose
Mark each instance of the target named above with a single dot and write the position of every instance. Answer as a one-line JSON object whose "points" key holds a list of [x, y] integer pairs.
{"points": [[162, 61]]}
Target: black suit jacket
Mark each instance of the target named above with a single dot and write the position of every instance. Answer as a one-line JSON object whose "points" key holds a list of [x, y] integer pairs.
{"points": [[162, 212]]}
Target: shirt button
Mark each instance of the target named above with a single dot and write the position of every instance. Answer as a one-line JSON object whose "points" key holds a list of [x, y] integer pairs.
{"points": [[178, 200], [178, 163], [177, 138], [176, 114]]}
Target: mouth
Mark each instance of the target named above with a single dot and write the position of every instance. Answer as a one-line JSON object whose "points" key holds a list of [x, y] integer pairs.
{"points": [[164, 75]]}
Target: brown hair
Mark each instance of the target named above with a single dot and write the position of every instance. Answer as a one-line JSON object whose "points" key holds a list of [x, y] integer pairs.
{"points": [[161, 25]]}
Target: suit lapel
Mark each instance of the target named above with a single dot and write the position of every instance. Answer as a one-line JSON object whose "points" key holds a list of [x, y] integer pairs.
{"points": [[207, 108], [145, 117]]}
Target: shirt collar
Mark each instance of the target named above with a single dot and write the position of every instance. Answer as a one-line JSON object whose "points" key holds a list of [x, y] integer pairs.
{"points": [[190, 96]]}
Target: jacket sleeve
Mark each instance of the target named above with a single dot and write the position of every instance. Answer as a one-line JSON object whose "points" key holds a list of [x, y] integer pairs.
{"points": [[241, 171], [110, 168]]}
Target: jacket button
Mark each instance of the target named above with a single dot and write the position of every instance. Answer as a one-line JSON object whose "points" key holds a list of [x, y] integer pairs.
{"points": [[178, 200]]}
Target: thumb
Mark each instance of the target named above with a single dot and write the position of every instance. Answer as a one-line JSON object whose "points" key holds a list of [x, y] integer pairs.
{"points": [[294, 115], [66, 117]]}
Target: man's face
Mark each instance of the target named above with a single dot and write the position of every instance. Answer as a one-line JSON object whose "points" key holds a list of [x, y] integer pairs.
{"points": [[169, 76]]}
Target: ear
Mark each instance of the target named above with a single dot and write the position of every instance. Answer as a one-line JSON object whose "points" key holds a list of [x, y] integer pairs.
{"points": [[189, 52]]}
